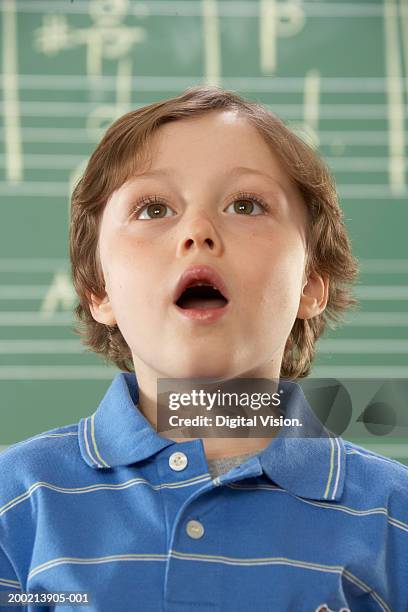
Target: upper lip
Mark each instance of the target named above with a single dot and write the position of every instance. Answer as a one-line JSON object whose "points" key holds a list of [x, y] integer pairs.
{"points": [[200, 273]]}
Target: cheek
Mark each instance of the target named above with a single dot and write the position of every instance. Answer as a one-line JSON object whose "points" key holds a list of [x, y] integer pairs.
{"points": [[134, 284], [279, 279]]}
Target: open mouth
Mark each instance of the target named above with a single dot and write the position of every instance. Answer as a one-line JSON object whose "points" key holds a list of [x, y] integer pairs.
{"points": [[201, 297]]}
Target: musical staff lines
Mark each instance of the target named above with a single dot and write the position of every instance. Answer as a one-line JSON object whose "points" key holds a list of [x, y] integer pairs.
{"points": [[335, 72]]}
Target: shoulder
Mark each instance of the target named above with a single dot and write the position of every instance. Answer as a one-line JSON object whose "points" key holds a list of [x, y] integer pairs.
{"points": [[371, 460], [37, 458], [375, 475], [53, 440]]}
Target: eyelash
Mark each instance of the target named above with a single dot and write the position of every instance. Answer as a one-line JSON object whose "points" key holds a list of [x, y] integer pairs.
{"points": [[146, 201]]}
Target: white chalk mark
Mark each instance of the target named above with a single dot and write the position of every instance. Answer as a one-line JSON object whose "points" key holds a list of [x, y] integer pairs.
{"points": [[211, 35], [99, 120], [377, 319], [41, 347], [62, 372], [32, 264], [105, 38], [102, 116], [94, 54], [354, 371], [267, 36], [12, 132], [395, 98], [380, 266], [291, 18], [60, 292], [108, 12], [166, 82], [53, 35], [371, 191], [308, 130], [229, 8], [381, 292], [74, 176], [361, 346], [404, 26], [351, 164], [23, 292], [312, 99], [124, 84], [277, 19], [34, 319]]}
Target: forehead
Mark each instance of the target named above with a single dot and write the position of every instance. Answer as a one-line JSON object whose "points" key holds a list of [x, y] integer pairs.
{"points": [[212, 143]]}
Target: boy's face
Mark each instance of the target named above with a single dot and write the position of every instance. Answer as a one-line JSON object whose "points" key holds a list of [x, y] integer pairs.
{"points": [[259, 254]]}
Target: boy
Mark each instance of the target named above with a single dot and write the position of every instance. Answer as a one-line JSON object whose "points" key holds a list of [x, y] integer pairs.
{"points": [[204, 187]]}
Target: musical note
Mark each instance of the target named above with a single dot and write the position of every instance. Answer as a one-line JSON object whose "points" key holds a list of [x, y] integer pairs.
{"points": [[211, 35], [308, 130], [276, 19], [395, 99], [61, 292], [107, 37]]}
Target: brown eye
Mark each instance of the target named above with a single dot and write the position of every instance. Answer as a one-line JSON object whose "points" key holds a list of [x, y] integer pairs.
{"points": [[244, 205], [154, 209]]}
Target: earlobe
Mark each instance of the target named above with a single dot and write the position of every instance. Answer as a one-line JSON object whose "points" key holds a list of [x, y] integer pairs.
{"points": [[101, 310], [315, 294]]}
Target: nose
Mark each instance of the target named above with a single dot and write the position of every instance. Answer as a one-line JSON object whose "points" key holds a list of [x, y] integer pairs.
{"points": [[200, 234]]}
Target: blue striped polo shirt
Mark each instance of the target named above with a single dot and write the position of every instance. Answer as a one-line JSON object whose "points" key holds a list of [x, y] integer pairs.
{"points": [[111, 508]]}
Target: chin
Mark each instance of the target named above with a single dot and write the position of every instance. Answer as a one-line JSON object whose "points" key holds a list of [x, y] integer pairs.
{"points": [[203, 368]]}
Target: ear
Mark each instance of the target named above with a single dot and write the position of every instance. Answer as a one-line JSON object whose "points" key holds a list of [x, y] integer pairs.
{"points": [[315, 293], [101, 310]]}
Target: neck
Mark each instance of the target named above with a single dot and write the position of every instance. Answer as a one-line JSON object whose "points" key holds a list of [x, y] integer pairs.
{"points": [[214, 447]]}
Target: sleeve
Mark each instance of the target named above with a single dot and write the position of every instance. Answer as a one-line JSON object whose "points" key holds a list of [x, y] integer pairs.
{"points": [[8, 581]]}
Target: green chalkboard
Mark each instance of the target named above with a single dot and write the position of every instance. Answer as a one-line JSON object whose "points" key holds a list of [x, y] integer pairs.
{"points": [[334, 71]]}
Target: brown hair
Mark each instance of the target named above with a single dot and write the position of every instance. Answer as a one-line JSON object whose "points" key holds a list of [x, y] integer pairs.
{"points": [[116, 158]]}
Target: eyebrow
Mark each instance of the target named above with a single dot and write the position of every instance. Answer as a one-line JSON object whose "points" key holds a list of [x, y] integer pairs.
{"points": [[238, 170]]}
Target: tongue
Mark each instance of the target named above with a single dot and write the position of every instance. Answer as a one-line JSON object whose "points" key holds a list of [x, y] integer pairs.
{"points": [[202, 303]]}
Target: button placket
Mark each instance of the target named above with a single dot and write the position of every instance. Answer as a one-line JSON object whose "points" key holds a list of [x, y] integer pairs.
{"points": [[183, 529]]}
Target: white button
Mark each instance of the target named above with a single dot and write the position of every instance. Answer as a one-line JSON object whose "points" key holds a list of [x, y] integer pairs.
{"points": [[195, 529], [178, 461]]}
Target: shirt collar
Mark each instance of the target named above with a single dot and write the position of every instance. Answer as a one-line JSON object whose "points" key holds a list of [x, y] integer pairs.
{"points": [[118, 434], [308, 461]]}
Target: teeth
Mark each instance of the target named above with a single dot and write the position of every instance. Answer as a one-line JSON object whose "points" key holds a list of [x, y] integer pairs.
{"points": [[203, 285]]}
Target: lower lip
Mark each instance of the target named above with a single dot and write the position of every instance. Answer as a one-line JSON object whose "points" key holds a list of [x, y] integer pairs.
{"points": [[204, 315]]}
